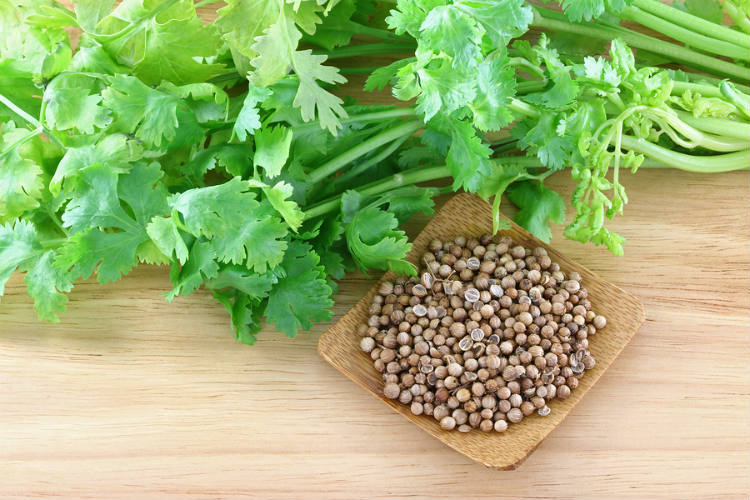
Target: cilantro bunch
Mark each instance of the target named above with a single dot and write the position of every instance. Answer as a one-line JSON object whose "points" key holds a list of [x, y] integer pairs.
{"points": [[223, 149]]}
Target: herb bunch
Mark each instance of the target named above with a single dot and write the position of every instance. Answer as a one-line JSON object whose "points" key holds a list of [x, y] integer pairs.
{"points": [[222, 150]]}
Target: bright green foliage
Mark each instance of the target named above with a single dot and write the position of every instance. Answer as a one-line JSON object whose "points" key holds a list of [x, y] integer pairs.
{"points": [[226, 151], [538, 205], [302, 295]]}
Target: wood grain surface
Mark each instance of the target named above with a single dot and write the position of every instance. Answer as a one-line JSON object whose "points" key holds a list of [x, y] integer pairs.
{"points": [[340, 344], [134, 397]]}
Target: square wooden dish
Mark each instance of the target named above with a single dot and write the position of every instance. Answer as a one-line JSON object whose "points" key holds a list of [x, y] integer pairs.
{"points": [[467, 215]]}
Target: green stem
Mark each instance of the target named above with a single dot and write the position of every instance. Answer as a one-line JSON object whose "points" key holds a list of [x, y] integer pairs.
{"points": [[203, 3], [521, 62], [553, 21], [407, 128], [369, 49], [737, 16], [363, 118], [362, 29], [54, 242], [385, 153], [523, 108], [528, 86], [705, 164], [23, 114], [687, 36], [364, 70], [725, 128], [56, 220], [680, 88], [405, 178], [694, 23], [20, 142]]}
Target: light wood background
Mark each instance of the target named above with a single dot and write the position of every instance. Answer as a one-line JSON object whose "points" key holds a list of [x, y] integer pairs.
{"points": [[131, 396]]}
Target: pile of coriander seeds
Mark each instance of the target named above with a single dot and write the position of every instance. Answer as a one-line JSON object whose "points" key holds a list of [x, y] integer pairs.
{"points": [[490, 333]]}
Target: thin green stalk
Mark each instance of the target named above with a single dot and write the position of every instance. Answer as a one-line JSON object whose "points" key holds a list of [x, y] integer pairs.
{"points": [[737, 16], [362, 29], [23, 114], [405, 178], [364, 70], [363, 118], [369, 49], [523, 108], [705, 164], [725, 128], [56, 220], [694, 23], [680, 88], [54, 242], [20, 142], [382, 155], [526, 87], [687, 36], [550, 20], [407, 128], [715, 82], [203, 3]]}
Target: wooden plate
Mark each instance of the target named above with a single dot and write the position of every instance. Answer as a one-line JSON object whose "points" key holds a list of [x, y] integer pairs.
{"points": [[340, 344]]}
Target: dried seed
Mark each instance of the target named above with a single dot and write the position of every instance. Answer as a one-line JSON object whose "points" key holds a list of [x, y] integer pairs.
{"points": [[544, 411], [493, 339], [473, 263], [465, 343], [477, 334], [471, 295], [419, 310]]}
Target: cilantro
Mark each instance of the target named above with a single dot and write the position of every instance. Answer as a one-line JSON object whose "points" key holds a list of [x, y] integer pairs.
{"points": [[225, 149], [302, 295]]}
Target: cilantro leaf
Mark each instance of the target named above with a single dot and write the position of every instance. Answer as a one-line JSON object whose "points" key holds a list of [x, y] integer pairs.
{"points": [[248, 119], [578, 10], [302, 295], [497, 85], [538, 205], [141, 34], [165, 235], [21, 181], [272, 149], [149, 114], [200, 266], [46, 285], [449, 30], [18, 244]]}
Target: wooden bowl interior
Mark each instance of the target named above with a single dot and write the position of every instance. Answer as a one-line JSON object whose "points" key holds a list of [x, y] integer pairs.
{"points": [[467, 215]]}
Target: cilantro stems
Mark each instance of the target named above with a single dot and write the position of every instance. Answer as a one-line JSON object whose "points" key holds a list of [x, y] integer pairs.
{"points": [[553, 21], [405, 178], [685, 35], [369, 49], [331, 166], [728, 162], [694, 23]]}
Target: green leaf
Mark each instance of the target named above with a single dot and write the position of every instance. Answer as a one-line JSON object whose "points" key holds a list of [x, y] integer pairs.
{"points": [[501, 19], [74, 108], [248, 119], [272, 149], [447, 29], [90, 12], [578, 10], [46, 285], [468, 157], [165, 235], [538, 205], [149, 114], [21, 181], [493, 186], [496, 86], [229, 215], [278, 196], [382, 76], [302, 295], [200, 267], [143, 35], [245, 311], [444, 89], [18, 243], [375, 241], [240, 22], [710, 10], [255, 286]]}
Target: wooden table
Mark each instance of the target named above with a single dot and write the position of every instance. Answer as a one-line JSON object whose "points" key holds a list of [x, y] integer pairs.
{"points": [[132, 396]]}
